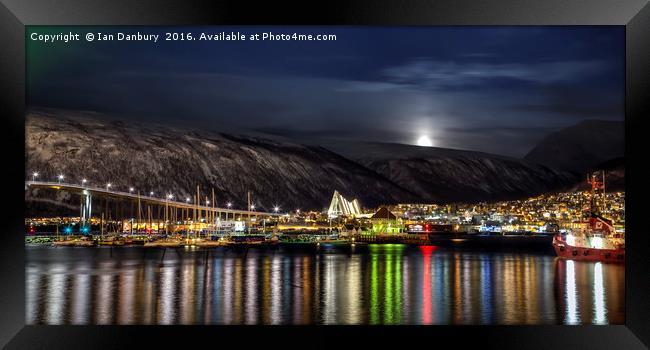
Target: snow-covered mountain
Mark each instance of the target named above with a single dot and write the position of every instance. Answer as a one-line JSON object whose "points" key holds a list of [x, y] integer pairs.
{"points": [[169, 160], [172, 160], [447, 175], [582, 147]]}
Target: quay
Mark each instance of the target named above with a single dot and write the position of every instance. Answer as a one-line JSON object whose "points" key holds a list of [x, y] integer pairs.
{"points": [[403, 238], [131, 218], [538, 241]]}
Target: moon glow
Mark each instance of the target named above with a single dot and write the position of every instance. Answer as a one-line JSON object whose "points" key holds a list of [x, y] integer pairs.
{"points": [[424, 141]]}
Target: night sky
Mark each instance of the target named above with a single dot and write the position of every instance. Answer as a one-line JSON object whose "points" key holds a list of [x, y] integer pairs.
{"points": [[493, 89]]}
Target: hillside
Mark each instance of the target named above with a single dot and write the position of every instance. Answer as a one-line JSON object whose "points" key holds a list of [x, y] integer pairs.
{"points": [[581, 147], [173, 160], [449, 175], [164, 159]]}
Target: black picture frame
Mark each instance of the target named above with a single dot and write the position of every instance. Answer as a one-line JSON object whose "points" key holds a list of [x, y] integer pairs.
{"points": [[16, 14]]}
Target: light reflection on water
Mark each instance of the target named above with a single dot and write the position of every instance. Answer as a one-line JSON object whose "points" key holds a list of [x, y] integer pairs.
{"points": [[599, 295], [573, 316], [380, 284]]}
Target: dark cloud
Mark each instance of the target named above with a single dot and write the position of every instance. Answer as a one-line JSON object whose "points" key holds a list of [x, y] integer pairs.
{"points": [[494, 89], [433, 74]]}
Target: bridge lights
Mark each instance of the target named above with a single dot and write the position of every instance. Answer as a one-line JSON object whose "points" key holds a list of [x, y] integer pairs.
{"points": [[276, 209], [229, 205], [207, 202], [151, 194], [252, 206], [170, 196], [108, 186], [34, 175], [61, 177], [131, 189], [297, 211], [83, 181], [187, 200]]}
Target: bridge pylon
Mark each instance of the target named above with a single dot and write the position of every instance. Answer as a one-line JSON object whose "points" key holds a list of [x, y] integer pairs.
{"points": [[86, 209]]}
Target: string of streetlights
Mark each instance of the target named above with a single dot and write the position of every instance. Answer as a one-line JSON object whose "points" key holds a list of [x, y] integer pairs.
{"points": [[170, 196]]}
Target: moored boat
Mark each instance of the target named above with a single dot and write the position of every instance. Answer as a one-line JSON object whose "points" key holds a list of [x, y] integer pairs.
{"points": [[599, 241], [75, 242], [85, 243], [589, 248], [164, 243], [64, 243], [110, 241], [210, 243]]}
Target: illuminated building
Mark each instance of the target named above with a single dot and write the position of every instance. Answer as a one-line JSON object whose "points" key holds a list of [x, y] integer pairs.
{"points": [[339, 206], [383, 221]]}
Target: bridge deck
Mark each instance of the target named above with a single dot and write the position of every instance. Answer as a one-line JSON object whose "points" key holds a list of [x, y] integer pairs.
{"points": [[136, 196]]}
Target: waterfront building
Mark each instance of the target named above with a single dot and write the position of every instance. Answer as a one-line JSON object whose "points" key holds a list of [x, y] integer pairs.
{"points": [[383, 221], [339, 206]]}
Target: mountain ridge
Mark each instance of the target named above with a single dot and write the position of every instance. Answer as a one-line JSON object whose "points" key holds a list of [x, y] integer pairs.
{"points": [[451, 173], [278, 172], [126, 155], [581, 147]]}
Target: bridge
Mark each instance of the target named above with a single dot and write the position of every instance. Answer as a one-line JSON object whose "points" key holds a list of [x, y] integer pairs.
{"points": [[197, 210]]}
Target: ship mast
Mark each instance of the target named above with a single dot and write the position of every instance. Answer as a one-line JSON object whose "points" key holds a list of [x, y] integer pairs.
{"points": [[595, 186], [604, 196]]}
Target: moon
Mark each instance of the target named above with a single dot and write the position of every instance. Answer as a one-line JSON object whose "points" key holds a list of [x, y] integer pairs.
{"points": [[424, 141]]}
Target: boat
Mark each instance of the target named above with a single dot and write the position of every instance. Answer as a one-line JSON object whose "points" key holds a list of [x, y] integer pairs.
{"points": [[211, 243], [273, 240], [110, 241], [422, 238], [334, 241], [164, 243], [598, 240], [65, 243], [75, 242], [246, 240], [85, 243], [139, 240], [244, 244]]}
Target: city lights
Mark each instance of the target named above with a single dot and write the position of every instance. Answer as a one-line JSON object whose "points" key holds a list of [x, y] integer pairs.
{"points": [[440, 176]]}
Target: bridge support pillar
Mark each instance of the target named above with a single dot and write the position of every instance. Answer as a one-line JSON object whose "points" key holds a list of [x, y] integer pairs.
{"points": [[86, 209]]}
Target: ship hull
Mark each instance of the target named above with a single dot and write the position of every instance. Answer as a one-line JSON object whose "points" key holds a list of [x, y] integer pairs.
{"points": [[566, 251]]}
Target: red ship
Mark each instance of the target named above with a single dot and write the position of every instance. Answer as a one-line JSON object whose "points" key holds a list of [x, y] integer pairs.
{"points": [[599, 241]]}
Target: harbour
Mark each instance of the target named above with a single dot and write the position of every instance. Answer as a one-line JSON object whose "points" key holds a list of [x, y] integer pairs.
{"points": [[521, 240], [326, 176], [326, 284]]}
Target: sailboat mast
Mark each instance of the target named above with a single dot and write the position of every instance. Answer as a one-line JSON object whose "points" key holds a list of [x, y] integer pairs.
{"points": [[249, 211], [604, 195], [592, 199]]}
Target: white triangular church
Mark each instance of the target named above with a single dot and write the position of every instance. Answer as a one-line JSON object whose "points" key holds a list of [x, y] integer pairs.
{"points": [[341, 206]]}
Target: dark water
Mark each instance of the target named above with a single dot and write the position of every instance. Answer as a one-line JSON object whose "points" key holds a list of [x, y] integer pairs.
{"points": [[378, 284]]}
